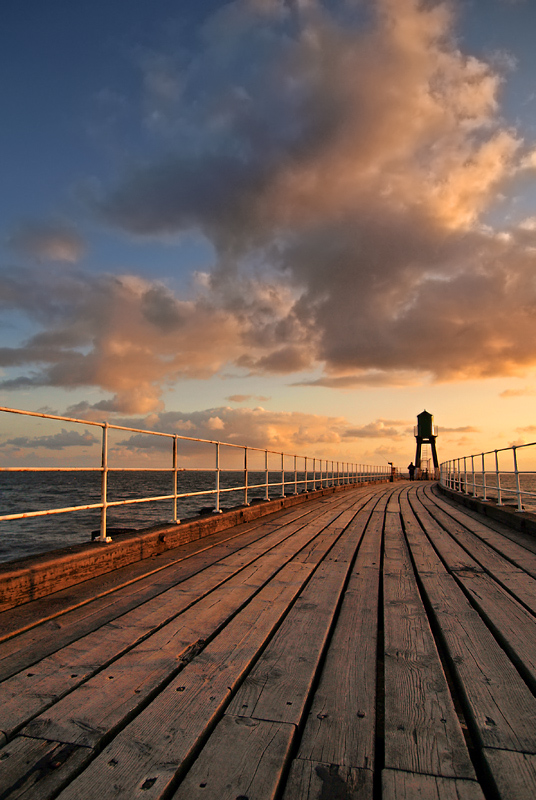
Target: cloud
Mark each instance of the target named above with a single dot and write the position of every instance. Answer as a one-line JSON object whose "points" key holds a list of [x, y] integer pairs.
{"points": [[343, 161], [48, 242], [243, 398], [134, 337], [292, 432], [380, 429], [461, 429], [57, 441], [358, 161], [525, 392], [304, 434], [372, 377], [123, 334]]}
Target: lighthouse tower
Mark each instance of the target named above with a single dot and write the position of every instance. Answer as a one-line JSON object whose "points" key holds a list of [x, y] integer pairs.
{"points": [[426, 433]]}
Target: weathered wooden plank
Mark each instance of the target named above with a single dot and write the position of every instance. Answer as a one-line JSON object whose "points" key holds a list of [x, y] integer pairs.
{"points": [[99, 704], [485, 555], [30, 647], [500, 706], [108, 706], [29, 693], [398, 785], [422, 732], [243, 758], [524, 540], [512, 577], [159, 569], [340, 725], [512, 624], [278, 687], [517, 546], [35, 769], [313, 780], [150, 754], [448, 548], [514, 773]]}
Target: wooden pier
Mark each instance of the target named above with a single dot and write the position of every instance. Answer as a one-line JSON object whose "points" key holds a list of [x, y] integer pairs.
{"points": [[376, 643]]}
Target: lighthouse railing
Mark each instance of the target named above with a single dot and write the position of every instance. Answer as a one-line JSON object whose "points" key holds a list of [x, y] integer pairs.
{"points": [[505, 475]]}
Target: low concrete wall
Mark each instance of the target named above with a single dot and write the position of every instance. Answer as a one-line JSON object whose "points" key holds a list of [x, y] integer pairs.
{"points": [[36, 576], [518, 520]]}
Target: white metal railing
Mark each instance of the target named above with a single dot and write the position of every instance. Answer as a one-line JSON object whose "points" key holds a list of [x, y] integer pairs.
{"points": [[317, 472], [483, 475]]}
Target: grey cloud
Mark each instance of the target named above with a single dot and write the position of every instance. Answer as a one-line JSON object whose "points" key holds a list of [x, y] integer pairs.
{"points": [[282, 361], [131, 336], [525, 392], [376, 430], [48, 241], [243, 398], [462, 429], [57, 441]]}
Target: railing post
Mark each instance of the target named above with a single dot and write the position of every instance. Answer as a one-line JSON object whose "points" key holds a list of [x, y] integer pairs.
{"points": [[306, 484], [518, 485], [295, 474], [266, 476], [217, 510], [465, 473], [473, 472], [175, 478], [498, 479], [104, 484], [282, 475], [484, 497], [246, 476], [314, 474]]}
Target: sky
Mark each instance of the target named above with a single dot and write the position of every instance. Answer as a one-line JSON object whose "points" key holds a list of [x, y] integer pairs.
{"points": [[293, 224]]}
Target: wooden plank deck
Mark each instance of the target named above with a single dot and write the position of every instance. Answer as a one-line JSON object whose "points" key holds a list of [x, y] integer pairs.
{"points": [[378, 643]]}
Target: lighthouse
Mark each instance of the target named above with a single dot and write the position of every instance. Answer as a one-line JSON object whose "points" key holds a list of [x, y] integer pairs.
{"points": [[426, 433]]}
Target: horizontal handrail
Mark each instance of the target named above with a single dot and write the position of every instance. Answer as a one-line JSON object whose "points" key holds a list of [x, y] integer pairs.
{"points": [[473, 474], [317, 472]]}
